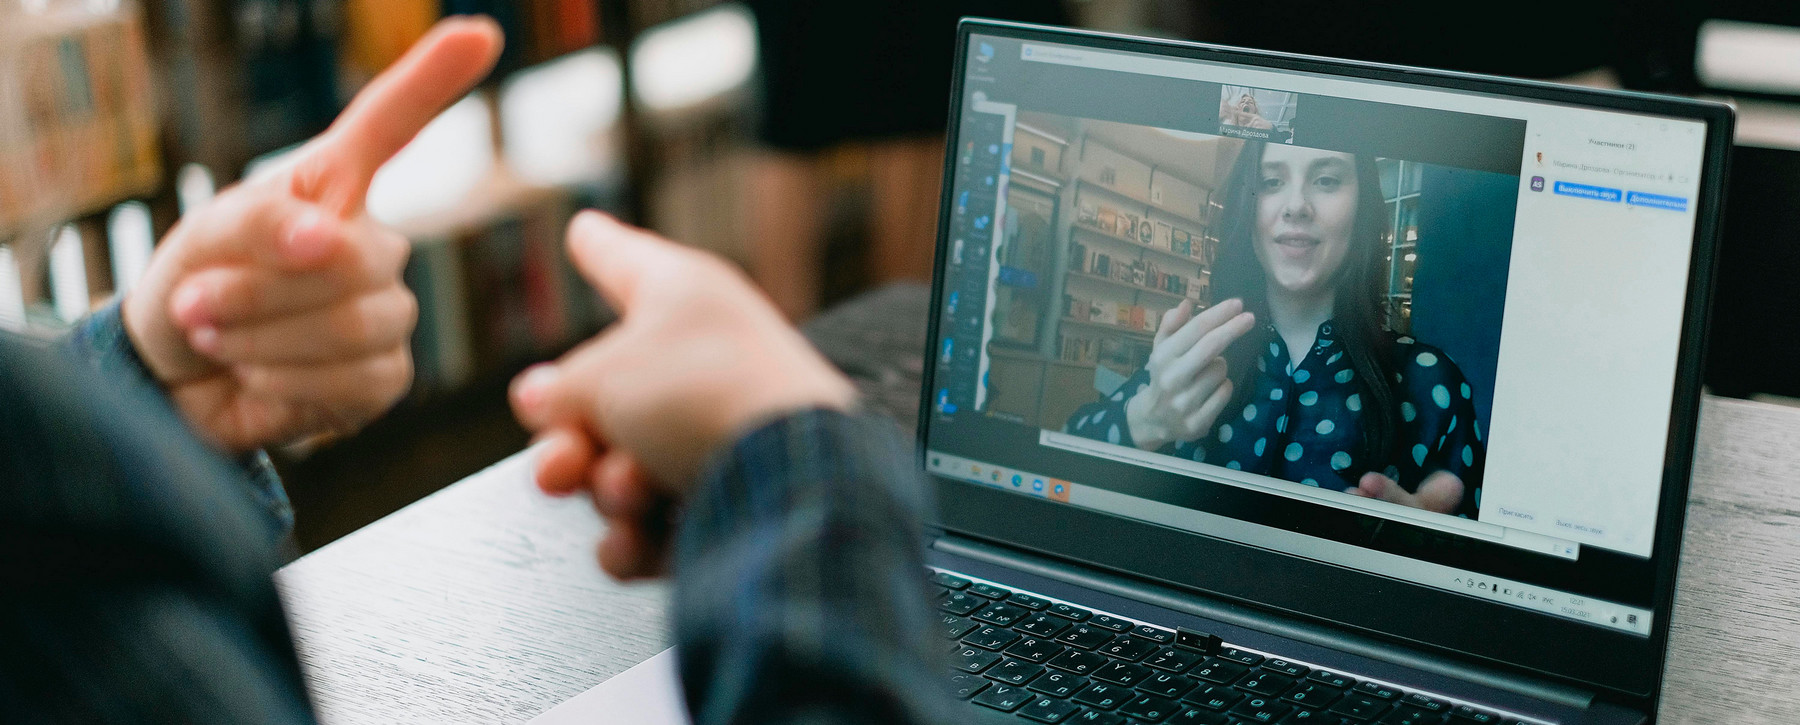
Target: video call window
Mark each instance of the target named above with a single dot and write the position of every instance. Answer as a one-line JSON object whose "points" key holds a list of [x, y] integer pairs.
{"points": [[1326, 318]]}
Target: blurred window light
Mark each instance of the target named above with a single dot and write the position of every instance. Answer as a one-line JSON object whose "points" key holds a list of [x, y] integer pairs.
{"points": [[194, 186], [68, 274], [1748, 57], [686, 62], [131, 237], [12, 292], [440, 169], [557, 119]]}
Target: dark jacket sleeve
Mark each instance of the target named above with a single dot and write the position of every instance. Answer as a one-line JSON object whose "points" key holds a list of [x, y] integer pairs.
{"points": [[100, 341], [137, 562], [800, 584]]}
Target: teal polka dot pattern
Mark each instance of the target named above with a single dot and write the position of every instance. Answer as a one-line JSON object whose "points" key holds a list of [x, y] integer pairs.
{"points": [[1303, 418]]}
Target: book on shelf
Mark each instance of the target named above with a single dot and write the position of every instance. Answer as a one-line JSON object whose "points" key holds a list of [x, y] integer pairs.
{"points": [[78, 121]]}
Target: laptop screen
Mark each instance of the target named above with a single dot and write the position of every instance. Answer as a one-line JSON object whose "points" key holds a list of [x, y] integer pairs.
{"points": [[1427, 334]]}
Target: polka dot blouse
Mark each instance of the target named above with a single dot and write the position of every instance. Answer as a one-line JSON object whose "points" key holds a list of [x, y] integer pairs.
{"points": [[1303, 423]]}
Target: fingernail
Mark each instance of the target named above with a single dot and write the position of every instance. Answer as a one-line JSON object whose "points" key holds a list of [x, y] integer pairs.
{"points": [[189, 305], [308, 239], [205, 339], [534, 384]]}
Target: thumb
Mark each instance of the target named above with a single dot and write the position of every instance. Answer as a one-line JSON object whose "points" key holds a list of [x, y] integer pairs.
{"points": [[627, 265], [1376, 486]]}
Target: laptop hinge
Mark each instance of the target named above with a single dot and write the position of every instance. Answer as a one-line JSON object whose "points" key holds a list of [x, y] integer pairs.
{"points": [[1202, 606]]}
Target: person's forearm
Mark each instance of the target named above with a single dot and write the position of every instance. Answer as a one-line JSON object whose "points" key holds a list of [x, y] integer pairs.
{"points": [[101, 342], [799, 592]]}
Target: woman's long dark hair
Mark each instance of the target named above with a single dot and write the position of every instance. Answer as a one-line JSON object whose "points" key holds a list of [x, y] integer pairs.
{"points": [[1361, 311]]}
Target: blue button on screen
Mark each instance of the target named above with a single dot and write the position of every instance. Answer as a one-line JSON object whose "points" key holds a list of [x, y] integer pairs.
{"points": [[1658, 201], [1599, 193]]}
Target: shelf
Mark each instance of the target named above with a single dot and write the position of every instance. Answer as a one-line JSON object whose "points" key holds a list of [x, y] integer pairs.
{"points": [[1126, 285], [1109, 328], [1085, 184], [1135, 244]]}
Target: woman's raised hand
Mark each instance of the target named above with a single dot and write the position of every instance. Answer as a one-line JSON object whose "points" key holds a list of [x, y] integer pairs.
{"points": [[1188, 386]]}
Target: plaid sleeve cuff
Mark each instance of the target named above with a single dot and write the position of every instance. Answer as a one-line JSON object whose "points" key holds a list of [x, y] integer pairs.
{"points": [[101, 341], [800, 592]]}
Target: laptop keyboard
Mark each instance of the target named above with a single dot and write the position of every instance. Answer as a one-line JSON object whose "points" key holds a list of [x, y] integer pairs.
{"points": [[1048, 661]]}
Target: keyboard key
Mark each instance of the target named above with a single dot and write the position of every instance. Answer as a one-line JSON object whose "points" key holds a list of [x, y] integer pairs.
{"points": [[1197, 716], [1058, 684], [1360, 705], [974, 659], [966, 685], [990, 591], [1149, 708], [1377, 691], [1015, 672], [1214, 697], [1331, 679], [1044, 709], [1085, 637], [1067, 611], [948, 580], [1159, 636], [1465, 714], [1032, 649], [1316, 717], [1104, 696], [1121, 673], [1265, 683], [1042, 625], [1078, 662], [1261, 709], [1128, 648], [938, 593], [1286, 668], [1028, 601], [1423, 702], [1003, 698], [1163, 684], [1109, 622], [1409, 715], [991, 637], [1096, 717], [1313, 694], [954, 627], [1241, 657], [1220, 671], [961, 603], [1173, 660], [1003, 615]]}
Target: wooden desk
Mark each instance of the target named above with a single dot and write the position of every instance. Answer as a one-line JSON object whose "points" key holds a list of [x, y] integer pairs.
{"points": [[482, 603]]}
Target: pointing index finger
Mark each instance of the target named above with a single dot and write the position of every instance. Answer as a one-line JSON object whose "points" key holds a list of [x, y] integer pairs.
{"points": [[385, 116]]}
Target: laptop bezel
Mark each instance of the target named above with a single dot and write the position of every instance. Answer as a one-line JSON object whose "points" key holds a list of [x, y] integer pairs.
{"points": [[1622, 665]]}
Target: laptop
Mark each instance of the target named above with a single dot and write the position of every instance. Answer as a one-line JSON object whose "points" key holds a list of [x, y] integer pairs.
{"points": [[1265, 388]]}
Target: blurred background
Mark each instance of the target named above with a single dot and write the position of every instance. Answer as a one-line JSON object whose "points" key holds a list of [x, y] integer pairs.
{"points": [[799, 138]]}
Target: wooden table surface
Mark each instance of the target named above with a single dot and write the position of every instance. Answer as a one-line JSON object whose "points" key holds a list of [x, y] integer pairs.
{"points": [[482, 603]]}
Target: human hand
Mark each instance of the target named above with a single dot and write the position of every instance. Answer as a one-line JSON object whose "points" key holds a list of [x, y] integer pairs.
{"points": [[277, 311], [698, 358], [1441, 492], [1188, 386]]}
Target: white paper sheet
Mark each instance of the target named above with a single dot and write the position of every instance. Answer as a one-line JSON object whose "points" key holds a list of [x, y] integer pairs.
{"points": [[648, 694]]}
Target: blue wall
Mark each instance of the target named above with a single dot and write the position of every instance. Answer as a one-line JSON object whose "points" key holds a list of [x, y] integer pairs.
{"points": [[1459, 286]]}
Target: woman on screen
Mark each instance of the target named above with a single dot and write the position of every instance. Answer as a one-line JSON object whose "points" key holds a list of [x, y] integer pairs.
{"points": [[1360, 409]]}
